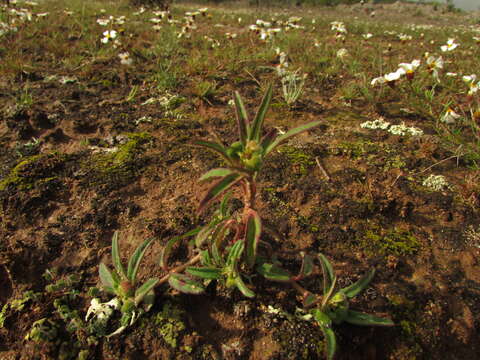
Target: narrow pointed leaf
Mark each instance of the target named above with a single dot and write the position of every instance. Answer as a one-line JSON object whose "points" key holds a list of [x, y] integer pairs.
{"points": [[170, 243], [273, 272], [218, 188], [185, 284], [106, 278], [307, 267], [310, 300], [256, 127], [135, 260], [214, 173], [143, 290], [243, 288], [218, 148], [205, 258], [203, 235], [242, 118], [235, 253], [328, 274], [211, 273], [359, 318], [360, 285], [289, 134], [224, 209], [117, 263], [268, 138], [252, 236], [331, 342]]}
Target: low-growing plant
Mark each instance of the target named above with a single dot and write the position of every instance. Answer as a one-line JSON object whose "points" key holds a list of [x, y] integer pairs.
{"points": [[332, 307], [122, 283]]}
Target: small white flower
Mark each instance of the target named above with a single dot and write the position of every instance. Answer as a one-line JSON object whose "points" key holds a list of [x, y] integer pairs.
{"points": [[379, 123], [108, 35], [342, 53], [450, 116], [451, 45], [436, 182], [395, 75], [125, 58], [103, 22], [378, 81], [367, 36], [410, 68]]}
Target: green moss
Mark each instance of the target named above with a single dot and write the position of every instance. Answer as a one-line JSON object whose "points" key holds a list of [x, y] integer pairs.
{"points": [[358, 149], [18, 176], [116, 169], [169, 323], [377, 241], [301, 160]]}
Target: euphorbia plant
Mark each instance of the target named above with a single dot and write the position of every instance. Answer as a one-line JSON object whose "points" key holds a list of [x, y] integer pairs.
{"points": [[228, 245]]}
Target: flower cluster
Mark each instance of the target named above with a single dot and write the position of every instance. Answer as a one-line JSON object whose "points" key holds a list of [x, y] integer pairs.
{"points": [[401, 130]]}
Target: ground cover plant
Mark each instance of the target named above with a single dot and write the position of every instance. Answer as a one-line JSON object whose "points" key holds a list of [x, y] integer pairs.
{"points": [[199, 181]]}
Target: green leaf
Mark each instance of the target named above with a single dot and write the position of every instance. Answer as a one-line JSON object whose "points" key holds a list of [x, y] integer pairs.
{"points": [[203, 235], [185, 284], [218, 188], [252, 236], [268, 139], [273, 272], [117, 263], [331, 341], [218, 172], [307, 266], [235, 253], [356, 288], [289, 134], [224, 209], [218, 148], [106, 278], [328, 275], [205, 272], [257, 124], [170, 243], [143, 290], [243, 288], [359, 318], [322, 318], [135, 259], [242, 118], [205, 258], [309, 300]]}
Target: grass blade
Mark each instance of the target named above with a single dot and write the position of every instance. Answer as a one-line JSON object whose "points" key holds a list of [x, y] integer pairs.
{"points": [[117, 263], [257, 124], [289, 134], [143, 290], [185, 284], [252, 236], [218, 189], [360, 285], [242, 118], [135, 259], [359, 318]]}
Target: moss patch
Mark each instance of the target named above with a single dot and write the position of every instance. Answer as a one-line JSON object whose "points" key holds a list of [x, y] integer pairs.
{"points": [[169, 323], [378, 241], [301, 161], [113, 170]]}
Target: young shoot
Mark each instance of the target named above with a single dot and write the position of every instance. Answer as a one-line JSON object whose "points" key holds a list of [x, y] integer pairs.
{"points": [[122, 283]]}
